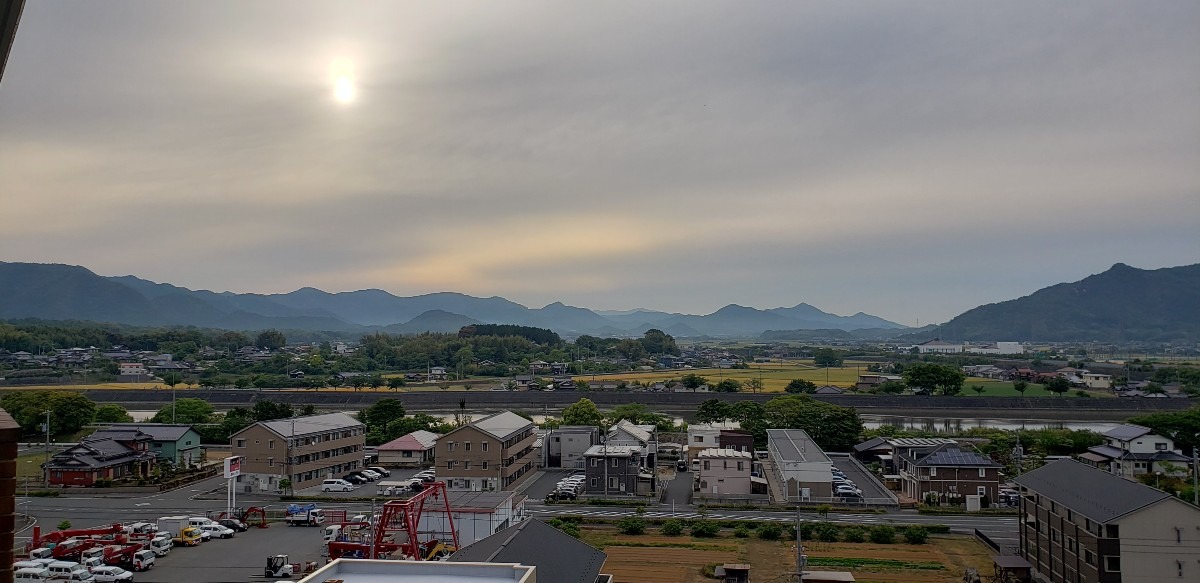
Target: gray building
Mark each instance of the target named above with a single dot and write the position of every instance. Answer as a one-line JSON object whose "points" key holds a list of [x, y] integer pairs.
{"points": [[563, 447], [803, 470], [557, 557], [1079, 524], [618, 466], [179, 444]]}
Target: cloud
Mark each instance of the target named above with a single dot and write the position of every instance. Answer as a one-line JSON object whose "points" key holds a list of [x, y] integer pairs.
{"points": [[908, 160]]}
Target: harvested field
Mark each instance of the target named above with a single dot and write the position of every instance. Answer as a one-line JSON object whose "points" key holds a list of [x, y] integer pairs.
{"points": [[661, 565]]}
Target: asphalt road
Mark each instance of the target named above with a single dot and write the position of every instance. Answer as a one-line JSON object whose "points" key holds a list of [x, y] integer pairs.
{"points": [[679, 490]]}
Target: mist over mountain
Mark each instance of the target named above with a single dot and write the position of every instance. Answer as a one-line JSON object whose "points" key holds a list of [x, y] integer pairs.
{"points": [[64, 292]]}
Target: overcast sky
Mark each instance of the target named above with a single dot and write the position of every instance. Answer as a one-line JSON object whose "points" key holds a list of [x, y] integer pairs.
{"points": [[906, 159]]}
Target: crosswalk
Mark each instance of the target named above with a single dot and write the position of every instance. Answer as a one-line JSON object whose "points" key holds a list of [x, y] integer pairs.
{"points": [[766, 517]]}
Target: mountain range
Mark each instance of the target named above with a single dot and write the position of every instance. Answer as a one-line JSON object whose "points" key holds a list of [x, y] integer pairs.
{"points": [[66, 292], [1122, 304]]}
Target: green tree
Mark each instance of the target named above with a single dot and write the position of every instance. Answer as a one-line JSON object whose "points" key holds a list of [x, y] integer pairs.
{"points": [[854, 534], [915, 535], [270, 340], [705, 528], [934, 378], [712, 411], [834, 428], [978, 389], [631, 525], [655, 341], [672, 527], [693, 381], [800, 386], [268, 410], [827, 358], [242, 382], [1182, 427], [890, 387], [171, 379], [1020, 386], [882, 534], [769, 531], [1058, 385], [187, 412], [582, 412], [112, 413], [755, 385], [71, 411], [395, 383], [566, 526], [728, 386], [377, 417], [375, 381]]}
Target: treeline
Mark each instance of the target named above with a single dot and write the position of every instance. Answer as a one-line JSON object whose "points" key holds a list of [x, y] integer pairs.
{"points": [[538, 335]]}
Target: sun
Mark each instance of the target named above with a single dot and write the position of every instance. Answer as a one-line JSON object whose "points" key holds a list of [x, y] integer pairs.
{"points": [[344, 89]]}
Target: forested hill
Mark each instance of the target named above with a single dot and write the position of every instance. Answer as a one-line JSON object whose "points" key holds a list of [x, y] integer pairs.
{"points": [[1123, 304]]}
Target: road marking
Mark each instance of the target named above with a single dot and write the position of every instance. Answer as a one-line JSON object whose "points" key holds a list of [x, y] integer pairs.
{"points": [[142, 504]]}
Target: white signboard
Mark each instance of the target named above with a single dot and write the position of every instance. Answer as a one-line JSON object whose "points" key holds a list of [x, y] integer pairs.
{"points": [[233, 466]]}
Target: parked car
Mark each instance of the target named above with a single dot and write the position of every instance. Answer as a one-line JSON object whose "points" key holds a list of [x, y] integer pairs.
{"points": [[371, 474], [381, 471], [336, 485], [361, 476], [425, 477], [110, 574], [217, 531], [355, 479], [205, 535], [233, 523]]}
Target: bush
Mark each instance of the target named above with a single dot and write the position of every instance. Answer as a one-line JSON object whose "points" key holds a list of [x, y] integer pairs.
{"points": [[631, 525], [705, 528], [672, 528], [64, 525], [883, 534], [769, 531], [741, 532], [915, 535], [854, 534], [806, 531], [568, 527], [825, 532]]}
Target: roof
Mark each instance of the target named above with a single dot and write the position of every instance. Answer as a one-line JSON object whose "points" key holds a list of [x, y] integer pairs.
{"points": [[952, 455], [1096, 494], [795, 445], [638, 432], [418, 440], [502, 425], [294, 426], [1010, 562], [387, 571], [1126, 431], [157, 432], [612, 451], [467, 501], [724, 453], [872, 443], [572, 560]]}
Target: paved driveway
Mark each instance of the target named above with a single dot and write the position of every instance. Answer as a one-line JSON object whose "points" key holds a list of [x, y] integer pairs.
{"points": [[361, 490], [873, 491], [679, 490], [544, 483]]}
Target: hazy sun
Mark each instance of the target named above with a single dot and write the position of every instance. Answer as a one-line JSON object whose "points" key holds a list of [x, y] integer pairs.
{"points": [[344, 90]]}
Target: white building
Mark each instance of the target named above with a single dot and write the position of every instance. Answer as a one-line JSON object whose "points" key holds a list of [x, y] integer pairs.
{"points": [[936, 346], [1095, 380], [700, 438], [378, 571], [997, 348], [477, 515], [1130, 450], [803, 470]]}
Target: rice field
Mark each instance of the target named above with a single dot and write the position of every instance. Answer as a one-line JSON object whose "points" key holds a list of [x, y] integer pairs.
{"points": [[775, 376]]}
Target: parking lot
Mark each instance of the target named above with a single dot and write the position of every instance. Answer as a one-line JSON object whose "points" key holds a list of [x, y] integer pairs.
{"points": [[873, 491], [240, 558], [545, 482], [361, 490]]}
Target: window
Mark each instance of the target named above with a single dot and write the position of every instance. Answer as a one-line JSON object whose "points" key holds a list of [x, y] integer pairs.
{"points": [[739, 466], [271, 444], [1178, 535], [1160, 447], [1070, 514], [593, 482], [1089, 557], [241, 443], [706, 465], [1179, 568], [614, 464], [485, 446], [982, 472], [485, 464], [699, 439], [451, 446], [467, 465], [932, 472], [271, 462], [450, 465], [466, 446], [981, 490], [406, 454], [1112, 531], [1112, 564], [613, 482]]}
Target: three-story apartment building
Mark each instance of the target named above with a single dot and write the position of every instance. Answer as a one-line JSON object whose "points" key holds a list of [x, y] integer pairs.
{"points": [[496, 452], [1080, 524], [305, 450]]}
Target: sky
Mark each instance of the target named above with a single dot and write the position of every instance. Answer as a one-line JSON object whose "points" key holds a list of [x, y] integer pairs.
{"points": [[910, 160]]}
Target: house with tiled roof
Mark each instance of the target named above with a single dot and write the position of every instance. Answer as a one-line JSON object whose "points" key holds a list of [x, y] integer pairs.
{"points": [[947, 473], [106, 457], [1131, 450], [410, 450]]}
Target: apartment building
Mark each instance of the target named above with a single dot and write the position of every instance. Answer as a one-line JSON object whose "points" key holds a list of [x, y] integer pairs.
{"points": [[305, 450], [804, 472], [1080, 524], [495, 452]]}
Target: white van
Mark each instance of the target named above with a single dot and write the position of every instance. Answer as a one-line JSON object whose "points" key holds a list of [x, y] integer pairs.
{"points": [[143, 560], [162, 545], [31, 575], [336, 485], [62, 569], [199, 521], [81, 575], [28, 565]]}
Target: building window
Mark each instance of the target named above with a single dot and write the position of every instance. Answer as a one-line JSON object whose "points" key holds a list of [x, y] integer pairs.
{"points": [[1179, 568], [932, 472], [981, 490], [450, 465], [1112, 564], [699, 439], [241, 443], [271, 444], [466, 446], [451, 446], [1112, 531], [739, 468], [485, 446], [271, 462], [485, 464], [467, 465], [1160, 447], [1089, 557], [593, 482], [706, 465], [982, 472], [614, 464]]}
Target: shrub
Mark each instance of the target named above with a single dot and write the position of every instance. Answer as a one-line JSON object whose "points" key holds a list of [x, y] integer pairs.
{"points": [[854, 534], [741, 532], [705, 528], [631, 525], [826, 532], [915, 535], [64, 525], [883, 534], [672, 528], [806, 531], [568, 527], [769, 531]]}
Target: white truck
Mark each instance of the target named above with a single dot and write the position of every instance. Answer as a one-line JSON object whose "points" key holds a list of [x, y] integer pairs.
{"points": [[308, 515], [173, 524]]}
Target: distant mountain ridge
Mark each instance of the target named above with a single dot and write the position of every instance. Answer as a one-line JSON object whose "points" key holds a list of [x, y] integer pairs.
{"points": [[65, 292], [1123, 304]]}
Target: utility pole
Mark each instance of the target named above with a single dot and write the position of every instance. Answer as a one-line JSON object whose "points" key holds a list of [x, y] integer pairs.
{"points": [[801, 560], [46, 470], [1196, 472]]}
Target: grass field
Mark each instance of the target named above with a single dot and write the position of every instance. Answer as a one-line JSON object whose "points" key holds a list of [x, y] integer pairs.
{"points": [[775, 376], [661, 559], [994, 388], [30, 465]]}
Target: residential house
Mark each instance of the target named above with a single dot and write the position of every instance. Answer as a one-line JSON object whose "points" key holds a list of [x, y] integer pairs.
{"points": [[736, 440], [414, 449], [645, 437], [557, 556], [113, 457], [884, 449], [828, 390], [131, 369], [701, 437], [612, 470], [802, 469], [179, 444], [947, 473], [563, 447], [304, 450], [867, 382], [1094, 380], [724, 472], [1131, 450], [1079, 524], [437, 373], [493, 453]]}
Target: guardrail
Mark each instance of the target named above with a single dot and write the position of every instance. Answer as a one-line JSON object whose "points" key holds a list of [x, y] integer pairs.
{"points": [[987, 540]]}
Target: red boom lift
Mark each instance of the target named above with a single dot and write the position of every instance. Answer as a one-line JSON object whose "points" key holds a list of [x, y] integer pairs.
{"points": [[58, 536], [397, 530]]}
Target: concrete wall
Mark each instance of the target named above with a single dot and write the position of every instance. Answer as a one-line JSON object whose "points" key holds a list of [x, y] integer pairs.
{"points": [[10, 433], [1159, 541]]}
